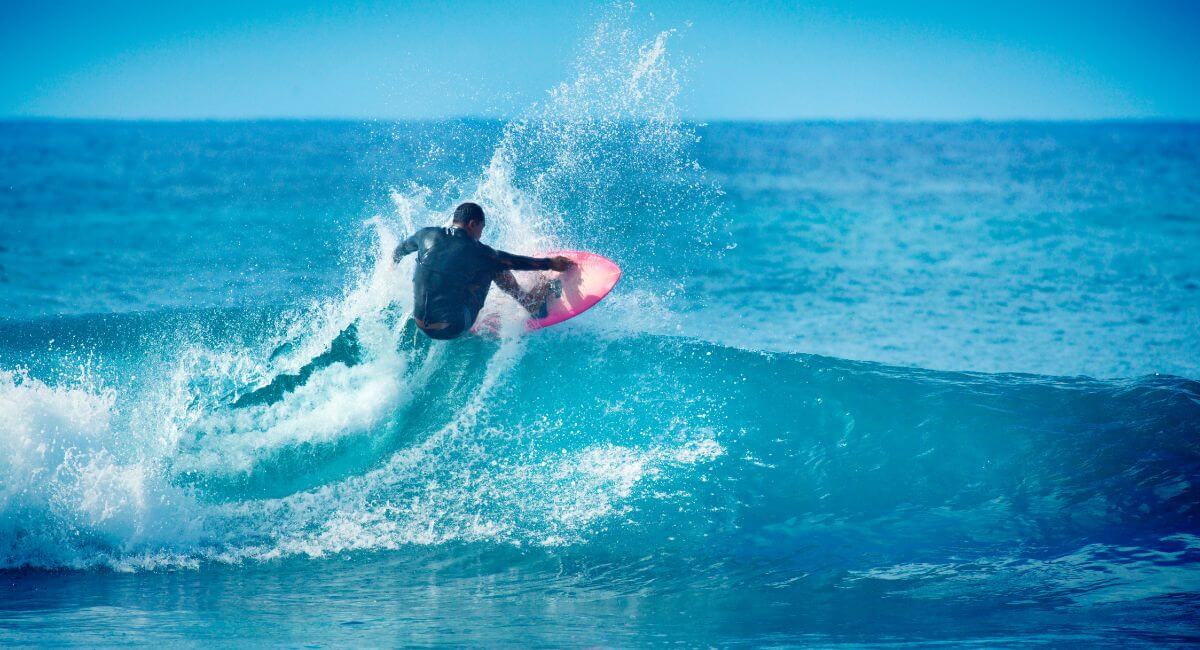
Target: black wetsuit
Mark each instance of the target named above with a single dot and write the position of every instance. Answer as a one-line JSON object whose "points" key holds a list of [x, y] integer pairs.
{"points": [[454, 273]]}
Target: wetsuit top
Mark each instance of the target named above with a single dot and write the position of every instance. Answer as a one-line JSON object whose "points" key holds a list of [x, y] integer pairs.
{"points": [[455, 272]]}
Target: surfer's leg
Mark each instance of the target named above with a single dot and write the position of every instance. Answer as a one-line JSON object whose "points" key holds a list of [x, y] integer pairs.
{"points": [[508, 284], [539, 297], [534, 300]]}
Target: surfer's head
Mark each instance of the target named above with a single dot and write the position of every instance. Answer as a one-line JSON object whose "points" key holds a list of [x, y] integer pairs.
{"points": [[469, 217]]}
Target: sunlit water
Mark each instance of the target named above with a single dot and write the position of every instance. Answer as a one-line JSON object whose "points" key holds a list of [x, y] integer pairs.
{"points": [[861, 383]]}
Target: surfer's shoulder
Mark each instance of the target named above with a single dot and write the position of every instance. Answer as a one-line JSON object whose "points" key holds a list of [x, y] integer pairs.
{"points": [[427, 234]]}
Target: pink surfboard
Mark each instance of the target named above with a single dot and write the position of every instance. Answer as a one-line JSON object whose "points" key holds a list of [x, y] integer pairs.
{"points": [[582, 287]]}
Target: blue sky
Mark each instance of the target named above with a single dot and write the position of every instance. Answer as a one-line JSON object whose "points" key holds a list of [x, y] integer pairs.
{"points": [[761, 60]]}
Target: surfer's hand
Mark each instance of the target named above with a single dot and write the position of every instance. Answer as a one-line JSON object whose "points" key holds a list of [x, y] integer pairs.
{"points": [[560, 264]]}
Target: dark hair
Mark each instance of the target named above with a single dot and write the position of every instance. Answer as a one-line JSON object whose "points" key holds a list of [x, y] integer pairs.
{"points": [[465, 213]]}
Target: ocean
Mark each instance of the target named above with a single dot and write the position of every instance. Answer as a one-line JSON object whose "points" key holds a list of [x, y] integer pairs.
{"points": [[878, 384]]}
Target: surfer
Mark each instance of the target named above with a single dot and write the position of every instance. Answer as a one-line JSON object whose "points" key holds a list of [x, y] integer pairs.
{"points": [[454, 272]]}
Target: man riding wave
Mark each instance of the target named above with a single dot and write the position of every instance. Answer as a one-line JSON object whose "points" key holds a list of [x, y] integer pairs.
{"points": [[455, 271]]}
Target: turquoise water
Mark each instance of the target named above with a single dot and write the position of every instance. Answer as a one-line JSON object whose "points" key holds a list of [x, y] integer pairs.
{"points": [[862, 383]]}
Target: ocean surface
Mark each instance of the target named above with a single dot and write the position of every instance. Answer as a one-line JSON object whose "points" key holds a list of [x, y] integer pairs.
{"points": [[879, 384]]}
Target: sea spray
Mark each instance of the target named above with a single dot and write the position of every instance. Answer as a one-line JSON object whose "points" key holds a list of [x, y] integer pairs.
{"points": [[606, 160], [244, 447]]}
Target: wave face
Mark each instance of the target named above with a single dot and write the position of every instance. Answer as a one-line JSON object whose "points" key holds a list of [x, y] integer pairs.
{"points": [[585, 438], [230, 380]]}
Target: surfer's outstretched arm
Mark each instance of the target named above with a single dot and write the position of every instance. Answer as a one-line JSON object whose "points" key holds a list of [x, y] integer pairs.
{"points": [[509, 262]]}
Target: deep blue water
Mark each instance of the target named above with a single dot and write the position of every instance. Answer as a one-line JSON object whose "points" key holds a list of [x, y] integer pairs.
{"points": [[862, 383]]}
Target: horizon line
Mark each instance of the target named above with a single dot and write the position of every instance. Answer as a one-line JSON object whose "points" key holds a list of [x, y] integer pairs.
{"points": [[685, 120]]}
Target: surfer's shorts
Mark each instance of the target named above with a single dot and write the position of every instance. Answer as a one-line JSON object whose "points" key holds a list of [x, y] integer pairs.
{"points": [[444, 329]]}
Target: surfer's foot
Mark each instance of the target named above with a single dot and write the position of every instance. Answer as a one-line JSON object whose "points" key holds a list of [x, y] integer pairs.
{"points": [[552, 289]]}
